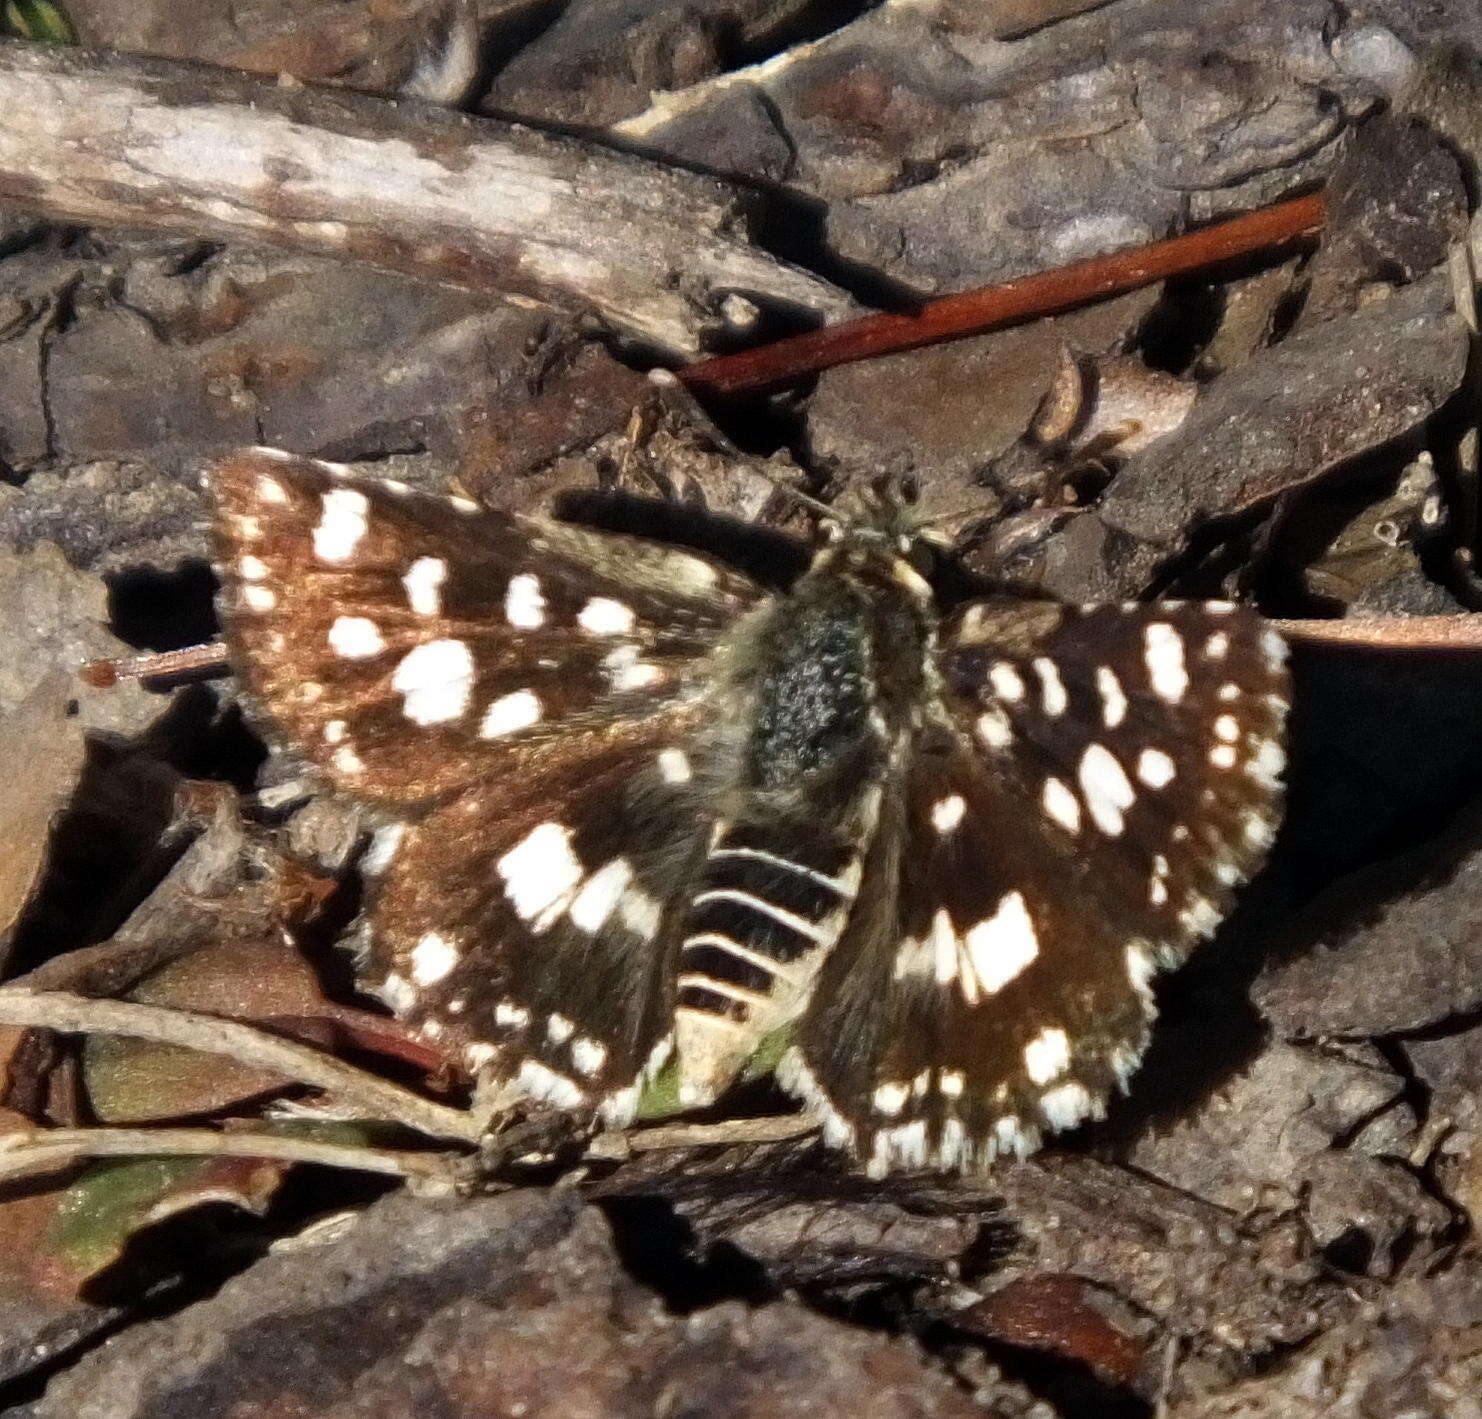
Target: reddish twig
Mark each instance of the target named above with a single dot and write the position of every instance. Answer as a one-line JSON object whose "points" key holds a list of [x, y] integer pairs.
{"points": [[207, 658], [991, 307]]}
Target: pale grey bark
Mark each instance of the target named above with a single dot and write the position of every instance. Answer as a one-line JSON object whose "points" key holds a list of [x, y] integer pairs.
{"points": [[661, 253]]}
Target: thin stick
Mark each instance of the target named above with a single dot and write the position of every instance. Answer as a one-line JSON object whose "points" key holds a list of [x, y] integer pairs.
{"points": [[209, 657], [774, 1129], [1462, 632], [377, 1098], [991, 307], [29, 1153]]}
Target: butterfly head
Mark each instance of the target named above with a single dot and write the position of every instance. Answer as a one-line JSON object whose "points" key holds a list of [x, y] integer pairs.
{"points": [[886, 543]]}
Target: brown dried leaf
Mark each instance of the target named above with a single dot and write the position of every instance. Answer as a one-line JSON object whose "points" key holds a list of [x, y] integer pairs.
{"points": [[39, 735], [137, 1081]]}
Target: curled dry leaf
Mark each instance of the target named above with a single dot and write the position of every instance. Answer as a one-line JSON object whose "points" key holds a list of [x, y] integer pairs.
{"points": [[1062, 1314]]}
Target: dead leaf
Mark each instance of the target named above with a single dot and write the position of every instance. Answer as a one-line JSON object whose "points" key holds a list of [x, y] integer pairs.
{"points": [[137, 1081], [47, 747]]}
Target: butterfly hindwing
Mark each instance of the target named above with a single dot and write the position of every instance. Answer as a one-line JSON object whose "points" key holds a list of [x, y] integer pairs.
{"points": [[407, 645], [1094, 785], [532, 921]]}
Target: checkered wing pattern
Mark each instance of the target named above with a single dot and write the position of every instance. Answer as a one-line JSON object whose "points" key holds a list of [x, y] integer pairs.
{"points": [[1075, 814], [408, 645], [639, 809]]}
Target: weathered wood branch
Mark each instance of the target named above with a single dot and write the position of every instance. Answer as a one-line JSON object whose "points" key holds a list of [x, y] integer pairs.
{"points": [[492, 207]]}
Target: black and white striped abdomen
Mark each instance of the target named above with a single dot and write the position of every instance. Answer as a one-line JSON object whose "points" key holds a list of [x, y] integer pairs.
{"points": [[758, 915]]}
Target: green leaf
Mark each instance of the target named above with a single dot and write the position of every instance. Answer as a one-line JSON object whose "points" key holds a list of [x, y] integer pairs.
{"points": [[98, 1213], [39, 20]]}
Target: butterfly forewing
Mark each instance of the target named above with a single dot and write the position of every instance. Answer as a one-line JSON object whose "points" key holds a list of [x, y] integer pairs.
{"points": [[1095, 784], [409, 645]]}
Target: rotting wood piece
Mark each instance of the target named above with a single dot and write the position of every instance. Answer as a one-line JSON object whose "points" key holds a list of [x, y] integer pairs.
{"points": [[662, 254]]}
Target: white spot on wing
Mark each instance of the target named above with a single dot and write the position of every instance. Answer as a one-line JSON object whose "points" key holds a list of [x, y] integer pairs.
{"points": [[640, 913], [1273, 647], [342, 525], [346, 760], [539, 872], [1107, 790], [270, 490], [436, 680], [258, 598], [890, 1099], [627, 672], [599, 894], [541, 1083], [524, 606], [510, 1016], [947, 813], [1266, 765], [674, 766], [1006, 682], [432, 958], [397, 992], [1062, 805], [1052, 687], [588, 1056], [510, 713], [1066, 1105], [1141, 967], [1003, 945], [994, 728], [1227, 727], [423, 582], [603, 616], [944, 947], [558, 1029], [1163, 653], [1113, 700], [383, 847], [1155, 768], [1047, 1055], [355, 637], [252, 568]]}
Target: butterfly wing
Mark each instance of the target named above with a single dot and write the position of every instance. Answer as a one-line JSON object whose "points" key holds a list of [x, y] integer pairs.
{"points": [[532, 921], [408, 646], [1093, 787]]}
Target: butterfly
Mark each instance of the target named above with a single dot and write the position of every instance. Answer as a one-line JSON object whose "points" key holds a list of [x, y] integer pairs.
{"points": [[642, 812]]}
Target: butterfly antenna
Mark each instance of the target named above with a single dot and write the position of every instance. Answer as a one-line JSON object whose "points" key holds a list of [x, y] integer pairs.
{"points": [[952, 514], [814, 505]]}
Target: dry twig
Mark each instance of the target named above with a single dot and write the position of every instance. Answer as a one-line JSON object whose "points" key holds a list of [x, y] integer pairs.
{"points": [[377, 1098], [493, 207]]}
